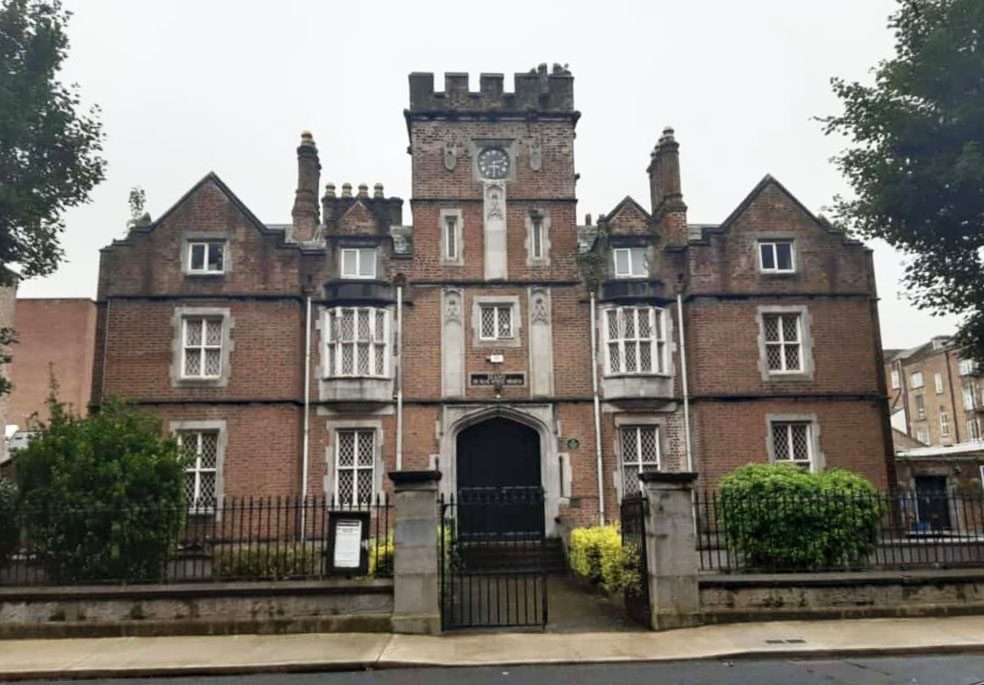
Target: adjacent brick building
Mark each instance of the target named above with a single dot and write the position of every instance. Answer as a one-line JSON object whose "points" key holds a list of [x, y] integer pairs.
{"points": [[495, 338]]}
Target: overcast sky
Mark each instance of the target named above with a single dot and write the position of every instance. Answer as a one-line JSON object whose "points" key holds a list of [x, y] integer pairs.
{"points": [[189, 86]]}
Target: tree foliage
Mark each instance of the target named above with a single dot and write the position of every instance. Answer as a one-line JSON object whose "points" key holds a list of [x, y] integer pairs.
{"points": [[916, 163], [138, 217], [102, 497], [49, 146]]}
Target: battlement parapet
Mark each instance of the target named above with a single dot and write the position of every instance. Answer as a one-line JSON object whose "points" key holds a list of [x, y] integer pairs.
{"points": [[536, 90]]}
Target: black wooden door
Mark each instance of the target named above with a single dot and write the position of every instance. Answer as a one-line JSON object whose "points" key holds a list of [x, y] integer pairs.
{"points": [[932, 502], [499, 485]]}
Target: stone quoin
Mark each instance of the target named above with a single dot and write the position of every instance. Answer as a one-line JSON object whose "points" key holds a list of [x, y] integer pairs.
{"points": [[463, 343]]}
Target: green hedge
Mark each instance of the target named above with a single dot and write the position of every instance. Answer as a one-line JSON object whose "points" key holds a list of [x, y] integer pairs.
{"points": [[268, 562], [9, 519], [781, 518], [599, 556]]}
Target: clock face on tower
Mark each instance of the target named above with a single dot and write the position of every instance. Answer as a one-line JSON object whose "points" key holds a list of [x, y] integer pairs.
{"points": [[493, 162]]}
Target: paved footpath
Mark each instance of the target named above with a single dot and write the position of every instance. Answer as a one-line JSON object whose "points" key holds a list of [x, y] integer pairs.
{"points": [[142, 656]]}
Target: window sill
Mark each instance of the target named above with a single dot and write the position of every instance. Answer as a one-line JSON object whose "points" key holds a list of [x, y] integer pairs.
{"points": [[788, 377], [655, 374], [357, 388], [780, 274], [206, 274]]}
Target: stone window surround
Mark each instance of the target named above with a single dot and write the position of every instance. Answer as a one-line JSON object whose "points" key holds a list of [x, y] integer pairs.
{"points": [[178, 380], [544, 217], [784, 237], [806, 345], [189, 237], [817, 458], [669, 343], [321, 326], [342, 249], [218, 426], [624, 419], [337, 424], [476, 320], [459, 231]]}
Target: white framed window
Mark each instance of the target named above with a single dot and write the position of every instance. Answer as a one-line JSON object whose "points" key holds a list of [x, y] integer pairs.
{"points": [[920, 407], [968, 398], [944, 424], [495, 322], [776, 256], [358, 262], [922, 435], [967, 367], [895, 380], [974, 428], [916, 380], [201, 449], [536, 237], [635, 340], [630, 262], [357, 342], [938, 383], [206, 256], [640, 452], [451, 238], [783, 342], [355, 466], [792, 443], [201, 347]]}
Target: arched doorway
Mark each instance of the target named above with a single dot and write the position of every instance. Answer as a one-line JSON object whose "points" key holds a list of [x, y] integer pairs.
{"points": [[498, 479]]}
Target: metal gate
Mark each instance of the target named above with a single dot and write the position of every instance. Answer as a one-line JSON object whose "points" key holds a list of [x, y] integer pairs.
{"points": [[633, 523], [492, 558]]}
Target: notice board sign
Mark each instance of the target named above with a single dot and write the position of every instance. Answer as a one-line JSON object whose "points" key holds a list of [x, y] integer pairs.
{"points": [[348, 543]]}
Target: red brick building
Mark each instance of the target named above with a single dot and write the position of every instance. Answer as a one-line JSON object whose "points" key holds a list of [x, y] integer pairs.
{"points": [[465, 341]]}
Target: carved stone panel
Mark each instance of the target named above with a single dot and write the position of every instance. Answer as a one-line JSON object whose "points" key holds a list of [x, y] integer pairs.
{"points": [[452, 343], [541, 342], [495, 231]]}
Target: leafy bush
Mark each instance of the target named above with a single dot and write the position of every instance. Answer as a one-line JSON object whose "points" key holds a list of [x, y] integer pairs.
{"points": [[9, 520], [102, 497], [779, 517], [599, 556], [381, 556], [267, 562]]}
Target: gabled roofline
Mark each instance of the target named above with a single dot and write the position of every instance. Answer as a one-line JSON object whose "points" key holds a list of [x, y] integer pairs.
{"points": [[770, 180], [626, 201], [210, 177]]}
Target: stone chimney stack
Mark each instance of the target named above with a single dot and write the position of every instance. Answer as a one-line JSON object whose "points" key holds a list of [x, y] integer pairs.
{"points": [[669, 209], [305, 214]]}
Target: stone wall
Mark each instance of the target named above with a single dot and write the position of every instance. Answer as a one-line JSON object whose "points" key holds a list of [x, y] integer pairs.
{"points": [[767, 597], [361, 605]]}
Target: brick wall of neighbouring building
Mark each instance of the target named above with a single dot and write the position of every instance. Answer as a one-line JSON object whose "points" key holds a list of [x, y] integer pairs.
{"points": [[55, 337], [493, 202]]}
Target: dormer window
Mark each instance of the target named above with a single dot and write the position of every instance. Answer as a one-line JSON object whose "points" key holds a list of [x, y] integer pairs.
{"points": [[206, 257], [359, 262], [630, 262], [776, 256]]}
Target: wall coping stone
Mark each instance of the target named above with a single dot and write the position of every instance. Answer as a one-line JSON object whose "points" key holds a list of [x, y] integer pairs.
{"points": [[671, 477], [332, 586], [840, 579], [414, 477]]}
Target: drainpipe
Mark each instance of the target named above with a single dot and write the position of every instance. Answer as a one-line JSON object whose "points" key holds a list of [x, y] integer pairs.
{"points": [[399, 378], [683, 381], [597, 415], [307, 410]]}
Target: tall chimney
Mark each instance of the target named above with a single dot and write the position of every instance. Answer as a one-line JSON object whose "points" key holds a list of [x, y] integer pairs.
{"points": [[669, 209], [305, 214]]}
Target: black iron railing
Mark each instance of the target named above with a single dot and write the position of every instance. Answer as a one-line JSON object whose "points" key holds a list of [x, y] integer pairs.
{"points": [[236, 539], [782, 533]]}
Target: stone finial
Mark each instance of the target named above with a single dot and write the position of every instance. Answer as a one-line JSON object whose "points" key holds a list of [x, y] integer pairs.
{"points": [[363, 190], [346, 190], [330, 190], [377, 191]]}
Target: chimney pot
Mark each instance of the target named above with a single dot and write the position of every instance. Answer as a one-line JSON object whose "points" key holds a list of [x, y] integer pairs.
{"points": [[377, 190], [330, 190], [587, 219], [305, 214], [363, 190], [346, 190]]}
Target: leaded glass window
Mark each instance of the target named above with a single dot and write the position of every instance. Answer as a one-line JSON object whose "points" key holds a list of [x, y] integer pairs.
{"points": [[635, 340], [354, 466], [640, 452], [357, 342]]}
